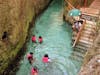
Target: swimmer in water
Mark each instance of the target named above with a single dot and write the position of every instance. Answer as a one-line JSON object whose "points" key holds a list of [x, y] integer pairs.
{"points": [[30, 57]]}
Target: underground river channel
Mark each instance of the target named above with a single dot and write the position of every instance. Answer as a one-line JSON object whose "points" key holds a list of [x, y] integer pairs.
{"points": [[56, 35]]}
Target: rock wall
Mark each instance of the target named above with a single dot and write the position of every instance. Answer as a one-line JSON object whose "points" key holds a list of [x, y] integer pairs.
{"points": [[92, 67], [15, 18], [91, 64]]}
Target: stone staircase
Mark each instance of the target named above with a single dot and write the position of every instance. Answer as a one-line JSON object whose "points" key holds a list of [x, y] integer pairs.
{"points": [[85, 41]]}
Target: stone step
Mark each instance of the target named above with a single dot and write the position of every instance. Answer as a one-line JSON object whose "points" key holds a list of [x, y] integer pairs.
{"points": [[89, 25], [80, 50], [76, 58], [87, 32], [89, 45], [86, 42], [88, 28], [83, 37], [86, 39], [78, 54], [80, 47], [87, 35]]}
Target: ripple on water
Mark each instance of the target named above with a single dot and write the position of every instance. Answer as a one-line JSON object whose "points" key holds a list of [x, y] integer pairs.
{"points": [[56, 43], [59, 59]]}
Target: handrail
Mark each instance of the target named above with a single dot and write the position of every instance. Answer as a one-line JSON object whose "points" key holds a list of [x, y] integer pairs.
{"points": [[79, 34], [69, 4]]}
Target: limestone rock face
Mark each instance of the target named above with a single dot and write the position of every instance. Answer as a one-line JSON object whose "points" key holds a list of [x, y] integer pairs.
{"points": [[92, 67], [15, 16], [91, 64]]}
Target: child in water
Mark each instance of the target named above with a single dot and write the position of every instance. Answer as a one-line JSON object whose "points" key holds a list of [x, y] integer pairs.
{"points": [[34, 71], [34, 38], [30, 57], [40, 39]]}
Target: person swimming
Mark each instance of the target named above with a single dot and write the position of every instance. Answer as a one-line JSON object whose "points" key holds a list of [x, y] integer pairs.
{"points": [[46, 59], [40, 39], [30, 57], [34, 38], [34, 71]]}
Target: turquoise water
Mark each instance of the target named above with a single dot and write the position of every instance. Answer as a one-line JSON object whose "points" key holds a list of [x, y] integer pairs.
{"points": [[56, 43]]}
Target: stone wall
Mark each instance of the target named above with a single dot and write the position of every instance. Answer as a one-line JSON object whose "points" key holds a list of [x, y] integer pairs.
{"points": [[15, 18]]}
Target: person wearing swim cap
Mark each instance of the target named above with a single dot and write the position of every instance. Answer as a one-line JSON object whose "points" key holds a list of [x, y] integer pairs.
{"points": [[34, 71], [40, 39], [30, 57], [34, 38], [46, 59]]}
